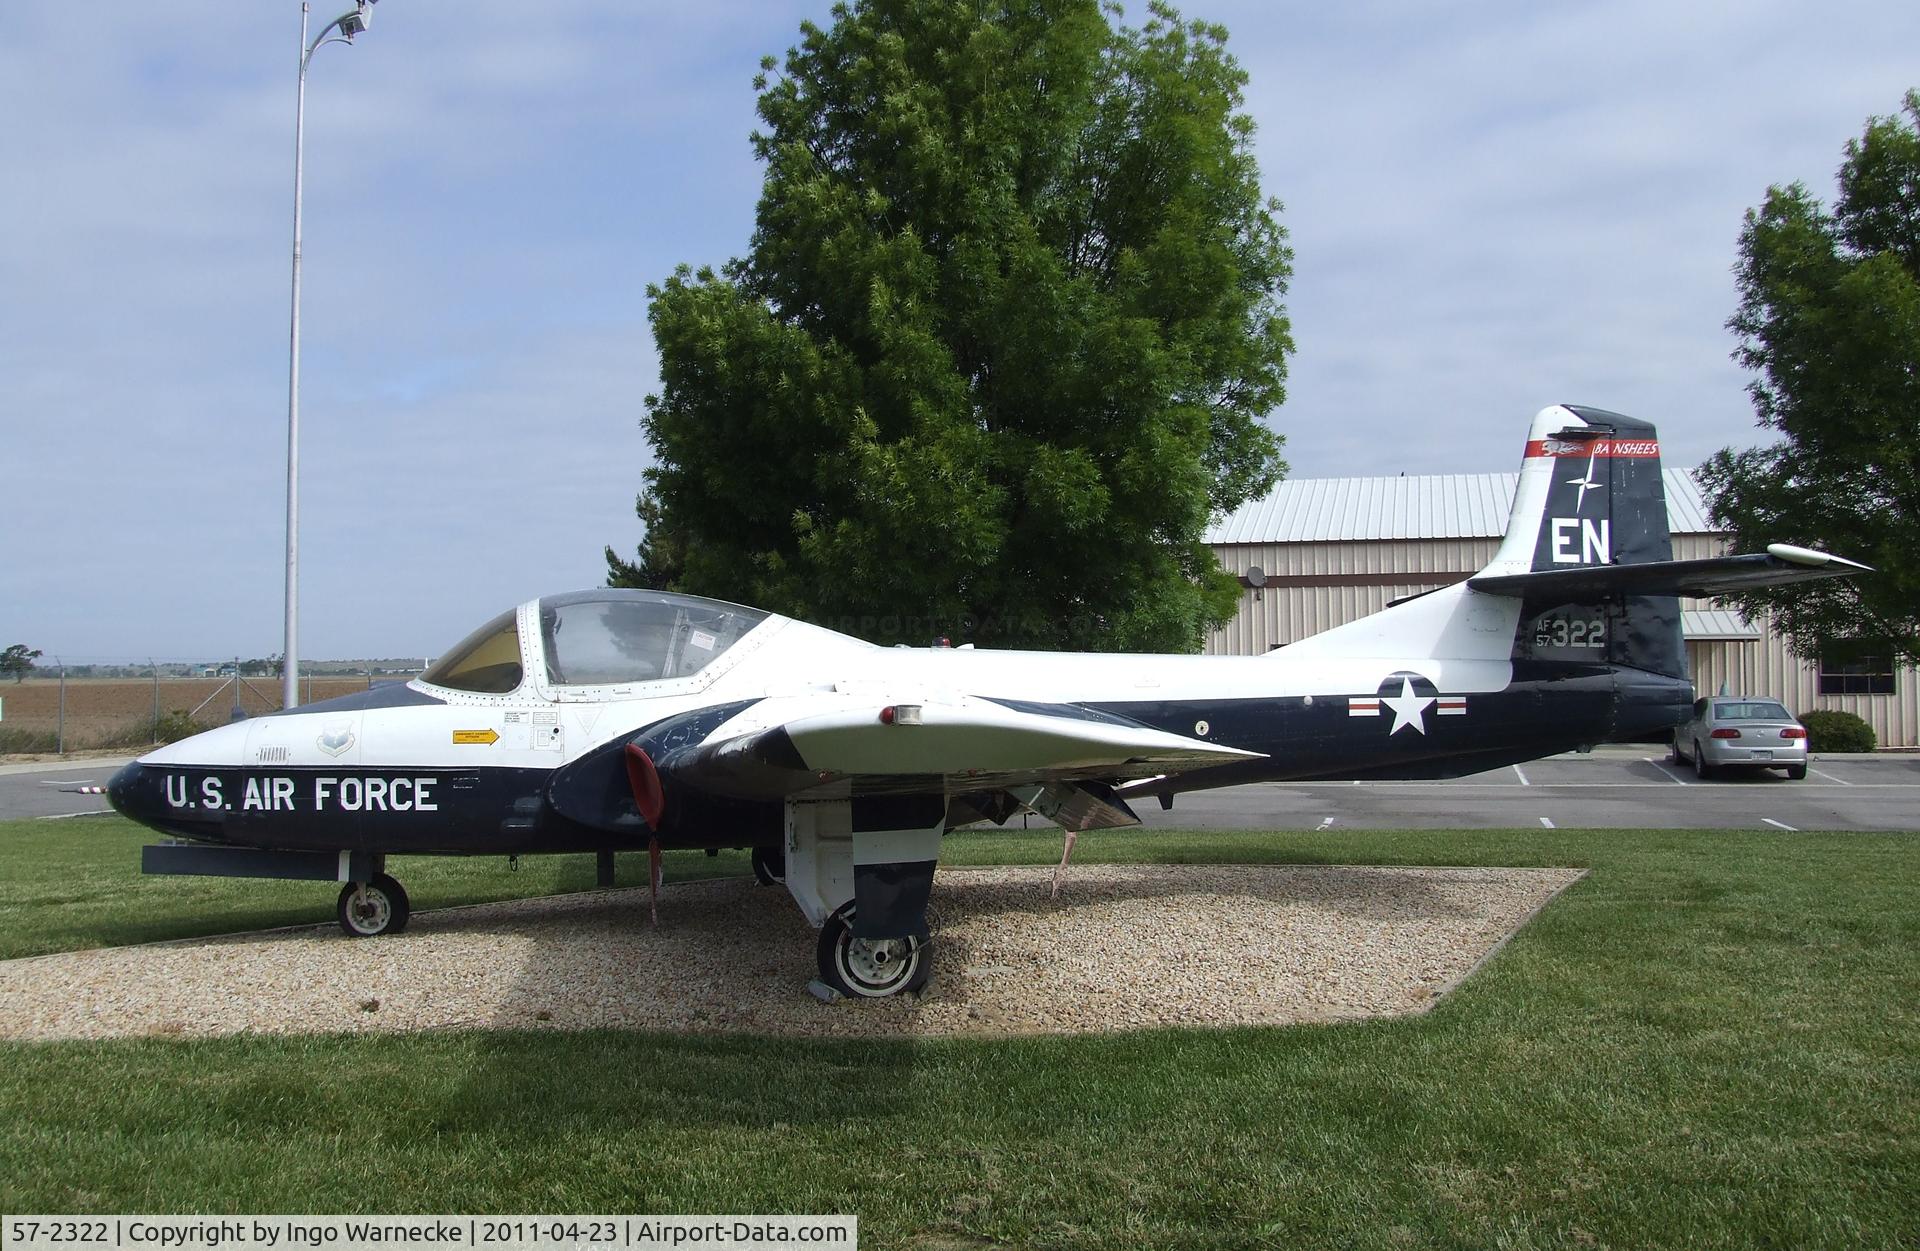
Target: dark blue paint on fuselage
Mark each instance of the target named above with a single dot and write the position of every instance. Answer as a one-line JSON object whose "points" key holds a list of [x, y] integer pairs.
{"points": [[1547, 709]]}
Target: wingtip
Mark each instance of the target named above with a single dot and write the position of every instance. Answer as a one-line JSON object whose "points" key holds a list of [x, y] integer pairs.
{"points": [[1813, 558]]}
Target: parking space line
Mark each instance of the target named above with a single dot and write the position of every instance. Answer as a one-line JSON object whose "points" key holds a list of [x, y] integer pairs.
{"points": [[1521, 776], [1546, 823], [1663, 769], [1824, 774], [1780, 824]]}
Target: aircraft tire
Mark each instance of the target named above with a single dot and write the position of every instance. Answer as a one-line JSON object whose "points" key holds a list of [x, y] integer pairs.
{"points": [[862, 968], [385, 909], [1701, 769], [769, 866]]}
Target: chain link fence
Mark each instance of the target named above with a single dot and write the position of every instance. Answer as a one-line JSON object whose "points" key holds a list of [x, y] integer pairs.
{"points": [[61, 708]]}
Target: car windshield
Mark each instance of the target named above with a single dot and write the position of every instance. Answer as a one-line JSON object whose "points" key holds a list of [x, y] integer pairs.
{"points": [[1751, 710], [486, 662], [600, 638]]}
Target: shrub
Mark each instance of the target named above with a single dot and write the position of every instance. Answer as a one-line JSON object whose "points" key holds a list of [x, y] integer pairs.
{"points": [[1829, 730], [171, 728], [175, 726], [15, 740]]}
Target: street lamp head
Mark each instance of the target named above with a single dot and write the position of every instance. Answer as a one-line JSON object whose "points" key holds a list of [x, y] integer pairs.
{"points": [[353, 23]]}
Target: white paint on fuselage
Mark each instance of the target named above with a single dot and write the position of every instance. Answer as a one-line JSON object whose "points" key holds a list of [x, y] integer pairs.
{"points": [[1459, 640]]}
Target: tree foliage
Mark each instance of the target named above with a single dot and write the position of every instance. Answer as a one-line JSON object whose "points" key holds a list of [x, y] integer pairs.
{"points": [[1003, 340], [18, 660], [1830, 317]]}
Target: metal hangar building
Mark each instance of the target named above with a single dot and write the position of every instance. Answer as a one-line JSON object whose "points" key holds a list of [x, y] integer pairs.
{"points": [[1325, 551]]}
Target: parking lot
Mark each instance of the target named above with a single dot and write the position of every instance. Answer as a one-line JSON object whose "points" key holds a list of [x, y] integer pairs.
{"points": [[1612, 788], [1616, 787]]}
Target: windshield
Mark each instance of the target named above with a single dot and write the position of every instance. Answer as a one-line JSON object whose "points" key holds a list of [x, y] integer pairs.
{"points": [[486, 662], [1751, 710], [601, 638]]}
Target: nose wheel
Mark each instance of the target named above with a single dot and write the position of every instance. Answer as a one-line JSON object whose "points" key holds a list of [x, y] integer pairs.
{"points": [[376, 906], [870, 968]]}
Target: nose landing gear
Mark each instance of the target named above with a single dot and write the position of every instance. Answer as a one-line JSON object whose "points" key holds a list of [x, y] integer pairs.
{"points": [[376, 906]]}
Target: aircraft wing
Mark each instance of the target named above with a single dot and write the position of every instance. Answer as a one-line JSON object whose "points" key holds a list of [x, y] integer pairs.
{"points": [[1052, 754], [971, 743], [1719, 575]]}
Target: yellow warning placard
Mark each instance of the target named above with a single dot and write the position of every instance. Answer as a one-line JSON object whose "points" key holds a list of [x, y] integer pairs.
{"points": [[485, 738]]}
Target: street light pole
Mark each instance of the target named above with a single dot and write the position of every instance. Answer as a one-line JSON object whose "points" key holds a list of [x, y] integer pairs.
{"points": [[348, 25]]}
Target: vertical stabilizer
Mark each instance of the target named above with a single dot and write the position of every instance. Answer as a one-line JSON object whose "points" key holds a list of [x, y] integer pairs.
{"points": [[1590, 494]]}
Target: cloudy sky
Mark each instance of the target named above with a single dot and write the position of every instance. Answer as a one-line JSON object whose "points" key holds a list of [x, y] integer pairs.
{"points": [[1494, 207]]}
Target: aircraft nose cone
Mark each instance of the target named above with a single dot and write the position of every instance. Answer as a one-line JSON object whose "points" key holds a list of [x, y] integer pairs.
{"points": [[132, 792]]}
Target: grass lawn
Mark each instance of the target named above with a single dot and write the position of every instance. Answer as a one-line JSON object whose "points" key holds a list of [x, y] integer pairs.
{"points": [[1709, 1041]]}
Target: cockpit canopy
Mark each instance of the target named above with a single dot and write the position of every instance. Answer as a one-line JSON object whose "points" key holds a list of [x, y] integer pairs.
{"points": [[599, 638]]}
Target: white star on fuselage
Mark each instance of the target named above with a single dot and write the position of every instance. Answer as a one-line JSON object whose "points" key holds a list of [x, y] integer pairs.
{"points": [[1408, 709]]}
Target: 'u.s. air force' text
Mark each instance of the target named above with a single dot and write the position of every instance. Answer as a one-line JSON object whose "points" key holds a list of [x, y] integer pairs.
{"points": [[276, 794]]}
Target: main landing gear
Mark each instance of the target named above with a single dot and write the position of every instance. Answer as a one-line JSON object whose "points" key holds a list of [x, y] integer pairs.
{"points": [[374, 907], [770, 866], [862, 870], [870, 968]]}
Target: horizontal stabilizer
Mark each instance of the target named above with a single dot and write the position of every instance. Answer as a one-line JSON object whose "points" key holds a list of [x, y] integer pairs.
{"points": [[1718, 575]]}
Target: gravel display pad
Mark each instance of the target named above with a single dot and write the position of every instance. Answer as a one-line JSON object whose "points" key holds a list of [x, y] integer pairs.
{"points": [[1124, 947]]}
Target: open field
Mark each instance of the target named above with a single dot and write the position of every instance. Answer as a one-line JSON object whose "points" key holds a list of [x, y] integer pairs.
{"points": [[100, 708], [1709, 1041]]}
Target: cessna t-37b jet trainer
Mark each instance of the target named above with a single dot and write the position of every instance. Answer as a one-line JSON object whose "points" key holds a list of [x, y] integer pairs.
{"points": [[622, 720]]}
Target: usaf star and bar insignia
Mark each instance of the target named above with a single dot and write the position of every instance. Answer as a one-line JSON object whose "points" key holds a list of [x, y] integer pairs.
{"points": [[1409, 697]]}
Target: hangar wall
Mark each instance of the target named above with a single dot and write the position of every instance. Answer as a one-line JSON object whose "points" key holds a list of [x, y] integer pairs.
{"points": [[1335, 549]]}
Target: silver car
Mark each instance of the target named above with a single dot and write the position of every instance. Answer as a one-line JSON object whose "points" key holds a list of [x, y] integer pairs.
{"points": [[1742, 732]]}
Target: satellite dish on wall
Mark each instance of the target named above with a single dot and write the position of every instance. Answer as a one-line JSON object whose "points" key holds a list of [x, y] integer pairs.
{"points": [[1256, 577]]}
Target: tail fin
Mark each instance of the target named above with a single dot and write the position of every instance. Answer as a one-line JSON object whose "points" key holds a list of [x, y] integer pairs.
{"points": [[1590, 494], [1590, 497]]}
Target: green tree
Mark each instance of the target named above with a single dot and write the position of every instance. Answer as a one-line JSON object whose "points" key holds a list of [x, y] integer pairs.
{"points": [[1830, 317], [1003, 339], [18, 660]]}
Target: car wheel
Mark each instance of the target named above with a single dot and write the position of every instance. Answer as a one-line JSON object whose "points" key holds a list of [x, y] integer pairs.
{"points": [[1797, 772], [1701, 769]]}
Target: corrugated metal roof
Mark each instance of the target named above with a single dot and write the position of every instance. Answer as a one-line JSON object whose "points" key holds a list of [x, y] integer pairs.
{"points": [[1427, 506], [1686, 507], [1711, 625]]}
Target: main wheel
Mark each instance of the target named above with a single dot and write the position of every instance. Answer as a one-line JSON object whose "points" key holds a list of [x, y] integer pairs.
{"points": [[870, 968], [1701, 769], [376, 907], [769, 865], [1797, 773]]}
